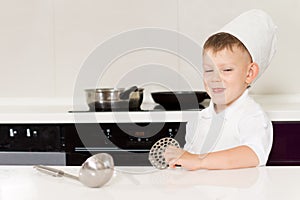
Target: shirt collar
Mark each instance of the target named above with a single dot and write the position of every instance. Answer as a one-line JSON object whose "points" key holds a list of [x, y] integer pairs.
{"points": [[229, 110]]}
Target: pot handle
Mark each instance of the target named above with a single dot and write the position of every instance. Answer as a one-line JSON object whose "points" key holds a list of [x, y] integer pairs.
{"points": [[126, 93]]}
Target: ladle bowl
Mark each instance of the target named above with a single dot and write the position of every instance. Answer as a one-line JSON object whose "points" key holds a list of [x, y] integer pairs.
{"points": [[97, 170]]}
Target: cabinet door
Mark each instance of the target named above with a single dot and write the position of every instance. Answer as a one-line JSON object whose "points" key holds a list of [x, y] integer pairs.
{"points": [[286, 144]]}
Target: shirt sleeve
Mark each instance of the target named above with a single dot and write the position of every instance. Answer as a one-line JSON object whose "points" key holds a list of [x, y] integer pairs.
{"points": [[256, 132]]}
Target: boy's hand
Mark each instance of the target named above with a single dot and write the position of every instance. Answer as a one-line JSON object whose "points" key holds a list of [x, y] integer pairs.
{"points": [[177, 156]]}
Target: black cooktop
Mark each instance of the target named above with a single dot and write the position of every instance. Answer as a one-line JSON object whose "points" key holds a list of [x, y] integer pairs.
{"points": [[156, 108]]}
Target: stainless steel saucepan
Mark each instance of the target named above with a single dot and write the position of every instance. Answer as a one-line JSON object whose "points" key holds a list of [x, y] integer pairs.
{"points": [[118, 99]]}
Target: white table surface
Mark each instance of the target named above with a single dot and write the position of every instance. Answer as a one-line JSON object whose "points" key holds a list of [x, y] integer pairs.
{"points": [[130, 183]]}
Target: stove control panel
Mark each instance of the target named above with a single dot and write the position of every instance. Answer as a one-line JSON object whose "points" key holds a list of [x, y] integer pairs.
{"points": [[35, 138], [72, 144], [137, 136], [128, 143]]}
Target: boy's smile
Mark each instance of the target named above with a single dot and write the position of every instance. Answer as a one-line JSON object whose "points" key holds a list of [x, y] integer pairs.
{"points": [[227, 74]]}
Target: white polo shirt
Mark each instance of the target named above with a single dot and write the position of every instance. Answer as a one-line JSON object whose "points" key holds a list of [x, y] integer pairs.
{"points": [[242, 123]]}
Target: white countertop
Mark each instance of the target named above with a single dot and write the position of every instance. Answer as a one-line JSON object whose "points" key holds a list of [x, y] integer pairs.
{"points": [[278, 108], [264, 183]]}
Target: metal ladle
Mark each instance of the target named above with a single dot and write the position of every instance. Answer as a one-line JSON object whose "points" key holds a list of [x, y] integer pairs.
{"points": [[96, 171]]}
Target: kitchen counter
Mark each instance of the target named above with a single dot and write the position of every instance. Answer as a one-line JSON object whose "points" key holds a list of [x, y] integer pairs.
{"points": [[264, 183], [278, 108]]}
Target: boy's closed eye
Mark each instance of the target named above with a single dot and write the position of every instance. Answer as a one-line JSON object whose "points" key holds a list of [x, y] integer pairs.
{"points": [[224, 70], [227, 69], [208, 70]]}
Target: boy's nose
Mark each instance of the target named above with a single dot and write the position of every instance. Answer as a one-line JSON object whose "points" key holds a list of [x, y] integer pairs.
{"points": [[215, 76]]}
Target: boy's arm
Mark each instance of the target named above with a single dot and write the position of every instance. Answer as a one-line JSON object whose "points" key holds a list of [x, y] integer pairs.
{"points": [[237, 157]]}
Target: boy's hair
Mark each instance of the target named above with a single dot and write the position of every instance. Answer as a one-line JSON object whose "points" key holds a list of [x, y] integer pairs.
{"points": [[220, 41]]}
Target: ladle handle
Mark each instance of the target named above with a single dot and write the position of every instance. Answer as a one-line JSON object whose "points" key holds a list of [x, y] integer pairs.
{"points": [[54, 172]]}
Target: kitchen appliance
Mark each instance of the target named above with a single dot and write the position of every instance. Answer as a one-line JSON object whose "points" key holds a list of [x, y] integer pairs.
{"points": [[128, 143], [22, 144], [72, 143]]}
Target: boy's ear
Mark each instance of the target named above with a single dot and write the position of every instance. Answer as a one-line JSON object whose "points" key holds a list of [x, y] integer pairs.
{"points": [[253, 71]]}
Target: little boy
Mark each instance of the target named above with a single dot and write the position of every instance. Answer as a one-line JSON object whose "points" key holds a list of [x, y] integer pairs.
{"points": [[233, 132]]}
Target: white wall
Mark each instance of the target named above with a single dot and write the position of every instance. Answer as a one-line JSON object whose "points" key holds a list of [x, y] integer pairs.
{"points": [[43, 43]]}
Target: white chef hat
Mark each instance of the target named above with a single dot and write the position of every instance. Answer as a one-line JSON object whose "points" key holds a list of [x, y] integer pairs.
{"points": [[256, 30]]}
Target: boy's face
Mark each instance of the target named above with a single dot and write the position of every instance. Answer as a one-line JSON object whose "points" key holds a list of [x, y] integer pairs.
{"points": [[226, 75]]}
